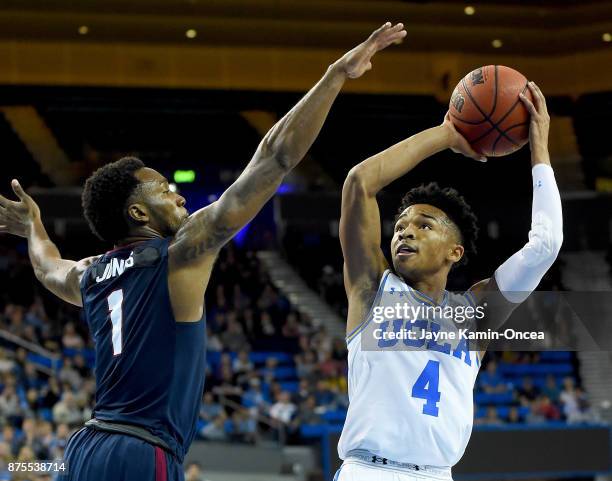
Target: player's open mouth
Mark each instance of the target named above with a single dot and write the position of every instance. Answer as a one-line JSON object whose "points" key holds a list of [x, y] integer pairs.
{"points": [[406, 250]]}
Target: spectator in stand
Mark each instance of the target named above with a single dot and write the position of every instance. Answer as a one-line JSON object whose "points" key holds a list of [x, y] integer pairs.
{"points": [[213, 342], [69, 375], [44, 434], [528, 390], [32, 401], [58, 444], [283, 409], [307, 414], [491, 381], [209, 409], [534, 416], [244, 427], [254, 398], [306, 366], [267, 326], [215, 431], [233, 337], [514, 416], [303, 392], [81, 366], [548, 409], [291, 328], [10, 405], [492, 417], [71, 339], [242, 363], [551, 389], [5, 457], [6, 363], [67, 411], [14, 315], [9, 437], [570, 402], [193, 472], [31, 439], [226, 387], [30, 377], [324, 396], [50, 394], [268, 373]]}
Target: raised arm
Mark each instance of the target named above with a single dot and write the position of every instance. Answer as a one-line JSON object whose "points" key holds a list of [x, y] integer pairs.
{"points": [[282, 148], [60, 276], [518, 276], [360, 232]]}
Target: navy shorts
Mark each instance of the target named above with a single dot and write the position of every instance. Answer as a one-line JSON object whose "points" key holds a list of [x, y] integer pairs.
{"points": [[94, 455]]}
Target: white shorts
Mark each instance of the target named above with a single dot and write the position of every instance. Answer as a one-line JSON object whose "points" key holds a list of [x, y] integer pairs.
{"points": [[358, 470]]}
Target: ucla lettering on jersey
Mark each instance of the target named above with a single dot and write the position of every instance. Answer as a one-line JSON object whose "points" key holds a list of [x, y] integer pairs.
{"points": [[411, 378]]}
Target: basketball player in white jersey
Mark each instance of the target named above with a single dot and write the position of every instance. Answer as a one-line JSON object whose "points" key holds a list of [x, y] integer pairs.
{"points": [[411, 411]]}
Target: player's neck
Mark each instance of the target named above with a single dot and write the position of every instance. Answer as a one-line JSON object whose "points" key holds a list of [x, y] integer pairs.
{"points": [[139, 236], [433, 286]]}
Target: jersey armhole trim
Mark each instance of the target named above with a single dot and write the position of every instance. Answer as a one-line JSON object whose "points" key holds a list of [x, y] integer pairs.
{"points": [[361, 327]]}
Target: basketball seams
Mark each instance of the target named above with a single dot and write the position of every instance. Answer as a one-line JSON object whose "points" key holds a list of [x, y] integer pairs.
{"points": [[494, 94]]}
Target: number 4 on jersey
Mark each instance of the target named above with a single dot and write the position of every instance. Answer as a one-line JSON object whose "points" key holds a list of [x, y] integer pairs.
{"points": [[426, 387]]}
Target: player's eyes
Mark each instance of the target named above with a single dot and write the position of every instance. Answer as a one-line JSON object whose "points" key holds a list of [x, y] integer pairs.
{"points": [[425, 226], [398, 228]]}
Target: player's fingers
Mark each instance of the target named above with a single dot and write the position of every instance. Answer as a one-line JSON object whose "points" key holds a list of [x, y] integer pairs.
{"points": [[542, 99], [528, 104], [396, 38], [379, 30], [19, 192], [4, 202], [537, 96]]}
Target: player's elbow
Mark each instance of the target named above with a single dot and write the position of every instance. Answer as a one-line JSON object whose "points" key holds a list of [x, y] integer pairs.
{"points": [[275, 148], [355, 183]]}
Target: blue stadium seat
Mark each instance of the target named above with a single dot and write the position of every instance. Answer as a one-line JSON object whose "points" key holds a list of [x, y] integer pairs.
{"points": [[313, 430], [46, 414], [290, 386], [484, 398], [260, 357], [535, 369], [337, 416], [40, 360], [556, 356], [281, 373]]}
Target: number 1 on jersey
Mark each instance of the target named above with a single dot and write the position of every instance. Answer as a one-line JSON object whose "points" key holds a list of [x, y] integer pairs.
{"points": [[426, 387], [115, 304]]}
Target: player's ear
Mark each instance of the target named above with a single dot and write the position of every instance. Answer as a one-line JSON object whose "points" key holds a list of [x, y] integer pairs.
{"points": [[456, 253], [137, 213]]}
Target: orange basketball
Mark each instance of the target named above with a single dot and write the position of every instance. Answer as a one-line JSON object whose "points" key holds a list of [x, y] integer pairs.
{"points": [[486, 109]]}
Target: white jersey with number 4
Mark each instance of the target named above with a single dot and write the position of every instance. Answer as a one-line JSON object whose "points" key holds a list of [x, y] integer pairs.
{"points": [[411, 400]]}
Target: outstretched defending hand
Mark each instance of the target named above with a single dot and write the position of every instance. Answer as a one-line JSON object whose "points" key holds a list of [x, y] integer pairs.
{"points": [[457, 142], [17, 217], [359, 60], [540, 120]]}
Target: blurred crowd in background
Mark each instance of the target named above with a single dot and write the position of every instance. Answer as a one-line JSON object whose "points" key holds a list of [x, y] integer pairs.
{"points": [[272, 372]]}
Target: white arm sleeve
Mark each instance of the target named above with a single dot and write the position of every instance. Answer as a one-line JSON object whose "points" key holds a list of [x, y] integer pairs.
{"points": [[521, 273]]}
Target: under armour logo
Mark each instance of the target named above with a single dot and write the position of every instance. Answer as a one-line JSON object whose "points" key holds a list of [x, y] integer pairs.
{"points": [[376, 459]]}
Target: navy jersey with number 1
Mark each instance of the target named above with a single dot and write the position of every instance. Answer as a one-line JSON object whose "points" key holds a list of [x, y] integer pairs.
{"points": [[149, 368]]}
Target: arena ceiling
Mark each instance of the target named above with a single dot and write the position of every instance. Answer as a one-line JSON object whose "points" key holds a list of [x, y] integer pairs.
{"points": [[541, 27]]}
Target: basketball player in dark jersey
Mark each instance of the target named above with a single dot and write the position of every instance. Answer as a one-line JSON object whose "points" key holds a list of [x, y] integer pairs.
{"points": [[143, 300]]}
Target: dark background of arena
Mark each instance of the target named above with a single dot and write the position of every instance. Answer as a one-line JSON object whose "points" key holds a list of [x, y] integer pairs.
{"points": [[194, 85]]}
